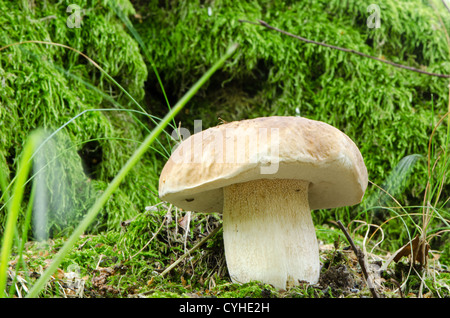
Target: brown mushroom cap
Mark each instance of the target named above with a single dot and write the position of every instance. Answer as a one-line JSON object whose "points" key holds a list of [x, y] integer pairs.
{"points": [[287, 147]]}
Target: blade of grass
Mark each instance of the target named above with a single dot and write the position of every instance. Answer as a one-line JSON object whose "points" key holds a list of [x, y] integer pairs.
{"points": [[144, 48], [14, 207], [90, 216], [138, 38], [26, 225]]}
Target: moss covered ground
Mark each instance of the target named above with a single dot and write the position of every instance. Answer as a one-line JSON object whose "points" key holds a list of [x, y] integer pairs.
{"points": [[95, 126]]}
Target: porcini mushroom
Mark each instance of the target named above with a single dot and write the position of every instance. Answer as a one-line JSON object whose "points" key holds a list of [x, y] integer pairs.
{"points": [[266, 175]]}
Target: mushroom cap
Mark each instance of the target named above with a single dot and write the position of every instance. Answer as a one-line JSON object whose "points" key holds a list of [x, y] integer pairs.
{"points": [[275, 147]]}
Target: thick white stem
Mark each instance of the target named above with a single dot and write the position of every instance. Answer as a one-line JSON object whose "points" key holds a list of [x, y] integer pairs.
{"points": [[268, 233]]}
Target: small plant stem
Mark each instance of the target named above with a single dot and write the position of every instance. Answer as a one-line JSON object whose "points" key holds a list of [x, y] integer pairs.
{"points": [[361, 260], [146, 244], [134, 159]]}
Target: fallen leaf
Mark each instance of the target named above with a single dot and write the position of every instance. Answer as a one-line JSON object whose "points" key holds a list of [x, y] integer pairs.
{"points": [[418, 248], [184, 221], [59, 274], [43, 253]]}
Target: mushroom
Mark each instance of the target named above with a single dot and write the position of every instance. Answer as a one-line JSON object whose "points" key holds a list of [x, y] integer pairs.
{"points": [[265, 175]]}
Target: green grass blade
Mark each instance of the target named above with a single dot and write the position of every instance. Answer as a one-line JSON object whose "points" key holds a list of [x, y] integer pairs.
{"points": [[138, 38], [40, 283], [14, 206]]}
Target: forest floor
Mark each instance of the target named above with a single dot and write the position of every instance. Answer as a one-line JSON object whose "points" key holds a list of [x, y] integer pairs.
{"points": [[112, 265]]}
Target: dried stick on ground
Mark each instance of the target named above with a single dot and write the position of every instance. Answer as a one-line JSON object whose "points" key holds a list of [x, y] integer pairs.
{"points": [[265, 24], [361, 260], [196, 246]]}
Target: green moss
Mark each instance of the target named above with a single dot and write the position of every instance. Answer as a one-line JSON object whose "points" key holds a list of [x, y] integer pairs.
{"points": [[251, 289], [48, 86]]}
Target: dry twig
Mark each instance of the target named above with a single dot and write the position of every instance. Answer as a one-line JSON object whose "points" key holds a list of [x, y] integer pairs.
{"points": [[196, 246], [361, 260], [410, 68]]}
